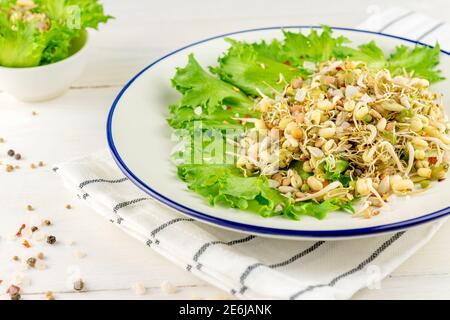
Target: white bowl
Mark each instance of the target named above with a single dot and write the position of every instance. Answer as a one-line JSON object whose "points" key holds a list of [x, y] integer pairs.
{"points": [[49, 81]]}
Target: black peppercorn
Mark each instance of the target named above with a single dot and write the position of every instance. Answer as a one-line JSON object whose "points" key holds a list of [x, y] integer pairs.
{"points": [[18, 156], [51, 239], [11, 153]]}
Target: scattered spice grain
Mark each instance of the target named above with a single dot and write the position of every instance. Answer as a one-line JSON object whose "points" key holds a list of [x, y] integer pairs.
{"points": [[11, 152], [49, 295], [26, 244], [15, 296], [139, 289], [16, 258], [168, 288], [30, 207], [31, 262], [78, 285], [9, 168], [14, 292], [51, 239], [40, 256], [18, 156], [79, 254], [40, 265], [46, 222], [34, 229], [68, 206], [19, 233]]}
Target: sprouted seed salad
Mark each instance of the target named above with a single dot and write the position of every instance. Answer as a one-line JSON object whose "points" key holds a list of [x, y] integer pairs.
{"points": [[310, 125]]}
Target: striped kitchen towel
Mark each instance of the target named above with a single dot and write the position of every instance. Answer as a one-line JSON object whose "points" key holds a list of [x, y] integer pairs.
{"points": [[409, 24], [248, 266]]}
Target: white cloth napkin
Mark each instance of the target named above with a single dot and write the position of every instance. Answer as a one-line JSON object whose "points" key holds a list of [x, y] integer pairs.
{"points": [[249, 266], [409, 24]]}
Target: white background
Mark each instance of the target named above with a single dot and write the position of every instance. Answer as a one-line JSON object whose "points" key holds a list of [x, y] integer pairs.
{"points": [[74, 125]]}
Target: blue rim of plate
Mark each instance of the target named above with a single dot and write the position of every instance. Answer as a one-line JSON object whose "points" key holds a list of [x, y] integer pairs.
{"points": [[344, 233]]}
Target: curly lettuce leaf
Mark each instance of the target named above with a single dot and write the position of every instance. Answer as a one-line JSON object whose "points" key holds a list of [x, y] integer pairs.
{"points": [[225, 185], [75, 14], [419, 60], [207, 98], [68, 20], [21, 47], [272, 50], [335, 171], [248, 67], [369, 53], [91, 12], [314, 47], [59, 43], [23, 44], [313, 209]]}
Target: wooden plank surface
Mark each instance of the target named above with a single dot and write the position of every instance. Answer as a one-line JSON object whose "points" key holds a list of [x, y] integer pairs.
{"points": [[74, 125]]}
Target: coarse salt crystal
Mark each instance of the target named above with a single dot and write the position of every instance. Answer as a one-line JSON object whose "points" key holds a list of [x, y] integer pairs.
{"points": [[12, 237], [69, 243], [79, 254], [23, 266], [39, 236], [139, 289], [18, 279], [35, 220], [168, 288], [27, 233], [40, 265]]}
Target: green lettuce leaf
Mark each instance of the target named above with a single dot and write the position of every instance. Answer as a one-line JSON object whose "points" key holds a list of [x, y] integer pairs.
{"points": [[21, 47], [248, 67], [420, 60], [334, 171], [225, 185], [23, 44], [369, 53], [314, 47], [272, 50], [207, 98]]}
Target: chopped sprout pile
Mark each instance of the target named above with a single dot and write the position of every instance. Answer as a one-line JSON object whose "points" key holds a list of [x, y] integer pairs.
{"points": [[310, 125], [354, 132]]}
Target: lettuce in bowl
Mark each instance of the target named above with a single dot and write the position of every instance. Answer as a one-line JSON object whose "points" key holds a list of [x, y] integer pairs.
{"points": [[41, 32]]}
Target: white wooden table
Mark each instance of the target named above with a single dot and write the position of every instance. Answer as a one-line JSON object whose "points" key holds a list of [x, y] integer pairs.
{"points": [[74, 125]]}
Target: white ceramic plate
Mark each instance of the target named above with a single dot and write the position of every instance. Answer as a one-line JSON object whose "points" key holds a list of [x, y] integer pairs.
{"points": [[139, 138]]}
